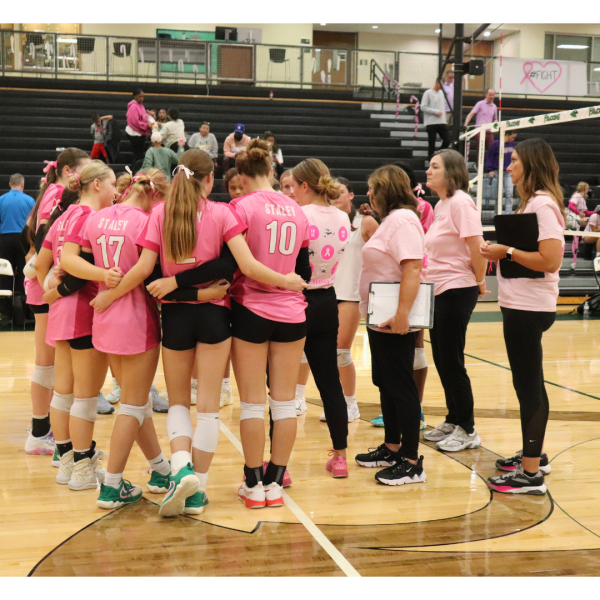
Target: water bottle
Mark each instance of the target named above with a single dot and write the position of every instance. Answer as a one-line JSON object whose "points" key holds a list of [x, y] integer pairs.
{"points": [[586, 309]]}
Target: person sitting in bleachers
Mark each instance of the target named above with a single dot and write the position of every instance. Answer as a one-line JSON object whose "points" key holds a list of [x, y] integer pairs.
{"points": [[235, 142], [276, 154], [173, 130], [577, 203], [162, 158], [591, 245], [205, 140], [161, 118]]}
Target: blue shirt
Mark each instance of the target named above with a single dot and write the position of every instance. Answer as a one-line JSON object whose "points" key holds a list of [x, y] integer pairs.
{"points": [[14, 210]]}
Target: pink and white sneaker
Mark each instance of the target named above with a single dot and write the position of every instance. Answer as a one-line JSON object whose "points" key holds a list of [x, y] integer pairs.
{"points": [[42, 445], [273, 495], [253, 497], [337, 465], [287, 479]]}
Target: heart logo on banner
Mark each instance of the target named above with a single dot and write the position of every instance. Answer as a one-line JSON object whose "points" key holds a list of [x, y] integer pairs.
{"points": [[543, 74]]}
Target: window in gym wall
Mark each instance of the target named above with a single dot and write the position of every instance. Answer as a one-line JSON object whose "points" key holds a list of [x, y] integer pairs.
{"points": [[567, 47]]}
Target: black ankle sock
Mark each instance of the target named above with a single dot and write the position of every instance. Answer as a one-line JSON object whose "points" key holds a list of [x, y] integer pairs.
{"points": [[64, 448], [253, 476], [529, 474], [40, 427], [87, 454], [274, 473]]}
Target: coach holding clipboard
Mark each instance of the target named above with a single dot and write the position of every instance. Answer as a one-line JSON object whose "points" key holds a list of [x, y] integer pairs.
{"points": [[528, 303]]}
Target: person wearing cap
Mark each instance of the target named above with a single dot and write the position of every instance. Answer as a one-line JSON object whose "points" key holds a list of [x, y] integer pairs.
{"points": [[205, 141], [235, 142]]}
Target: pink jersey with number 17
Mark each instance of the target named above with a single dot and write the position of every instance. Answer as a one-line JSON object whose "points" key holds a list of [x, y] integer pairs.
{"points": [[131, 324], [277, 229]]}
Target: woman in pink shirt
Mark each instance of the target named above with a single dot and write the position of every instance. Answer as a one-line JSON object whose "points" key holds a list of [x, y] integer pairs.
{"points": [[81, 369], [69, 161], [137, 128], [577, 203], [329, 233], [458, 271], [529, 310], [395, 253]]}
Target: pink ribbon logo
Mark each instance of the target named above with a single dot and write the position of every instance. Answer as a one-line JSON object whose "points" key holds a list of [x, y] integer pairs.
{"points": [[541, 75]]}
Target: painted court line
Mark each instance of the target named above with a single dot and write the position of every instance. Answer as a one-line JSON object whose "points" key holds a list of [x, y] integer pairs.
{"points": [[335, 554]]}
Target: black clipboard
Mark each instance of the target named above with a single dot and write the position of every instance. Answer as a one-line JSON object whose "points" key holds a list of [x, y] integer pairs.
{"points": [[520, 232]]}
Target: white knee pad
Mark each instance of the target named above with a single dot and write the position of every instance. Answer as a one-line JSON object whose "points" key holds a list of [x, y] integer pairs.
{"points": [[206, 435], [148, 409], [252, 411], [29, 270], [62, 402], [137, 412], [304, 360], [420, 359], [179, 423], [85, 408], [282, 410], [344, 358], [43, 376]]}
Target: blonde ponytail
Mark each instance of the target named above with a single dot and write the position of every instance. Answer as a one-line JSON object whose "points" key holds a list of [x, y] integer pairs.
{"points": [[95, 169], [315, 174]]}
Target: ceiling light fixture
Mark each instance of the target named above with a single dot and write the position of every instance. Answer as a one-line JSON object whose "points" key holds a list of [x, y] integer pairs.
{"points": [[487, 33], [322, 24], [438, 30], [572, 46], [375, 26]]}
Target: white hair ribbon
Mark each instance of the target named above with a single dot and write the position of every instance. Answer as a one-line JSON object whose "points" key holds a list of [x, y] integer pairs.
{"points": [[184, 169]]}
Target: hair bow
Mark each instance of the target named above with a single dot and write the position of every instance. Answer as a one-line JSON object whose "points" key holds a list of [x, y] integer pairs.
{"points": [[419, 190], [49, 165], [183, 168]]}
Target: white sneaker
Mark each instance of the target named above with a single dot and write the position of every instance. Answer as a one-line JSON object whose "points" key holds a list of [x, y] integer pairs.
{"points": [[253, 497], [353, 411], [441, 432], [66, 468], [322, 417], [87, 473], [300, 405], [165, 396], [226, 397], [115, 394], [42, 445], [194, 395], [458, 440], [273, 495]]}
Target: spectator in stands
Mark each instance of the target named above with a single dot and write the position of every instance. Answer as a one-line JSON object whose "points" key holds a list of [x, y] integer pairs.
{"points": [[492, 162], [591, 243], [286, 184], [205, 140], [233, 185], [487, 112], [235, 142], [276, 154], [577, 203], [162, 117], [15, 207], [98, 130], [434, 111], [137, 130], [448, 86], [162, 158], [173, 130]]}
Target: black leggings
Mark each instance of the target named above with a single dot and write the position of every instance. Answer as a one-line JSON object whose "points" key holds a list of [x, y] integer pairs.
{"points": [[138, 146], [440, 129], [523, 330], [452, 311], [392, 359]]}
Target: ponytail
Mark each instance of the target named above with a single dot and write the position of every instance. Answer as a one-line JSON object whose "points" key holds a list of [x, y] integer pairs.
{"points": [[96, 169], [144, 182], [315, 174]]}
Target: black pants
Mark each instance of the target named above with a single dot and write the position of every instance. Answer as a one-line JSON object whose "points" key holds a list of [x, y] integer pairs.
{"points": [[10, 250], [138, 147], [452, 312], [392, 358], [523, 330], [441, 130], [321, 351]]}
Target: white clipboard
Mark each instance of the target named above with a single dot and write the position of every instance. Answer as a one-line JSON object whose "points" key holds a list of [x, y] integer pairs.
{"points": [[383, 304]]}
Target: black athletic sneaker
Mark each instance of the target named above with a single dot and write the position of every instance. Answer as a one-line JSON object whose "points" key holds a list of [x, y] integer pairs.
{"points": [[377, 457], [402, 473], [510, 464], [518, 483]]}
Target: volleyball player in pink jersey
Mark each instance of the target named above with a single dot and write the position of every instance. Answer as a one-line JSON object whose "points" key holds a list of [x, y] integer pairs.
{"points": [[41, 440], [186, 231], [70, 329], [329, 233]]}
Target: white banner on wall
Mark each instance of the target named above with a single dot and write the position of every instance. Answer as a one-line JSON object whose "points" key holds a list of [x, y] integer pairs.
{"points": [[546, 77]]}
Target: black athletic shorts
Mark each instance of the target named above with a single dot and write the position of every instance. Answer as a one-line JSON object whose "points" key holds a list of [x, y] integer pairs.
{"points": [[81, 343], [184, 325], [39, 309], [249, 327], [354, 301]]}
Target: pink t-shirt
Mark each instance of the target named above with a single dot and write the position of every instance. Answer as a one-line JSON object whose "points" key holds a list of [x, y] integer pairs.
{"points": [[49, 200], [399, 237], [329, 233], [487, 112], [577, 204], [593, 222], [450, 265], [216, 224], [277, 229], [538, 295], [130, 325], [70, 317], [426, 214]]}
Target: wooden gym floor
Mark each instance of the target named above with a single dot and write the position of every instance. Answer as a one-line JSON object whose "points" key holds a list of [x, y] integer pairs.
{"points": [[450, 525]]}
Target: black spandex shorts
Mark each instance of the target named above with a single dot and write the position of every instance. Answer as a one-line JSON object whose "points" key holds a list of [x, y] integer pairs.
{"points": [[185, 325], [249, 327], [81, 343], [354, 301], [39, 309]]}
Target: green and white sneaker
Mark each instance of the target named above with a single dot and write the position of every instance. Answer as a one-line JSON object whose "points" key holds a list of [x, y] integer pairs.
{"points": [[158, 483], [56, 458], [423, 424], [65, 467], [181, 486], [115, 498], [377, 421], [195, 504]]}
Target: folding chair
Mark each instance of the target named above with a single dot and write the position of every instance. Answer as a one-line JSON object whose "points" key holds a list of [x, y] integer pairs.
{"points": [[7, 270]]}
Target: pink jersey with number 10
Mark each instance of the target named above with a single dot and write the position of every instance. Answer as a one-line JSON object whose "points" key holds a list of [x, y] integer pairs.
{"points": [[277, 229], [131, 324]]}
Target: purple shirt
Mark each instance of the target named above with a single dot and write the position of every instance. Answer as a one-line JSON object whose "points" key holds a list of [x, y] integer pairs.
{"points": [[486, 113], [449, 89]]}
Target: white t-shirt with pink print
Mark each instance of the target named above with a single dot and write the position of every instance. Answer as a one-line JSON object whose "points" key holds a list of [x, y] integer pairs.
{"points": [[329, 233]]}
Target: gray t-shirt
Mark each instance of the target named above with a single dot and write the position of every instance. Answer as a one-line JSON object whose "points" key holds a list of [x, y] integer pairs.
{"points": [[207, 143], [433, 103], [99, 131]]}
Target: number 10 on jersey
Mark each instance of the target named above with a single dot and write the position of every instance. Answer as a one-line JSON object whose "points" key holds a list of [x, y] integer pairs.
{"points": [[287, 237]]}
